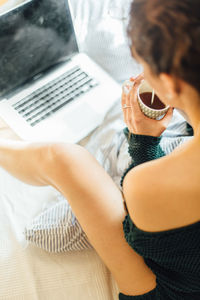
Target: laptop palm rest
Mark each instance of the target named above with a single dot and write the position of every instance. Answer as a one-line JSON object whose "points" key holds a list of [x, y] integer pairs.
{"points": [[82, 118]]}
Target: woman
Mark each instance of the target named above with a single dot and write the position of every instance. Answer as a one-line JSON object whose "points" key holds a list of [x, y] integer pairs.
{"points": [[162, 228]]}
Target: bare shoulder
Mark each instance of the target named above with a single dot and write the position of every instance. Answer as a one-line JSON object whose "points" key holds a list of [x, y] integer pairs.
{"points": [[160, 194]]}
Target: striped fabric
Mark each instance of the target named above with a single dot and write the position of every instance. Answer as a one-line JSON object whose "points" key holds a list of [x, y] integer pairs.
{"points": [[57, 230], [168, 144]]}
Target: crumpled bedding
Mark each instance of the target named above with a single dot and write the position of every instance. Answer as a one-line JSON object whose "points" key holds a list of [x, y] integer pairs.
{"points": [[28, 272], [111, 148]]}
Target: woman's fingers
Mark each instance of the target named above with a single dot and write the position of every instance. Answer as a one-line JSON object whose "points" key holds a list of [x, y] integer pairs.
{"points": [[138, 78], [131, 109], [133, 96], [124, 104], [134, 101], [129, 112]]}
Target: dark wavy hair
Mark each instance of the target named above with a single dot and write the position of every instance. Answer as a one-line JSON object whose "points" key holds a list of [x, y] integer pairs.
{"points": [[166, 35]]}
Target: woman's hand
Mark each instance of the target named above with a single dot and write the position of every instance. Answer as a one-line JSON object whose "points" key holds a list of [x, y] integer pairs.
{"points": [[134, 118]]}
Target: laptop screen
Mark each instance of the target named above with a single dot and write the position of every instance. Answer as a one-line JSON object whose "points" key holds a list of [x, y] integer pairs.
{"points": [[34, 36]]}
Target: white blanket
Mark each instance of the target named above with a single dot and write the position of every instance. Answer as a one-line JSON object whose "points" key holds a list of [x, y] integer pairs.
{"points": [[28, 272]]}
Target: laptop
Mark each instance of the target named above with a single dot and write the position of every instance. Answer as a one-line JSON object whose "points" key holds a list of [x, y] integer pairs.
{"points": [[49, 91]]}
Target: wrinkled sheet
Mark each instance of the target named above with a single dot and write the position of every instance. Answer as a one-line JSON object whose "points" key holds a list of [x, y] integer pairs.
{"points": [[28, 272]]}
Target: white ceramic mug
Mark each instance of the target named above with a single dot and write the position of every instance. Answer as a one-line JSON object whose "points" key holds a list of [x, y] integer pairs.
{"points": [[148, 111]]}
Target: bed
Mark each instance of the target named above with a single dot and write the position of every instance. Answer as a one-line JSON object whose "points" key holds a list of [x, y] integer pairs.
{"points": [[26, 271]]}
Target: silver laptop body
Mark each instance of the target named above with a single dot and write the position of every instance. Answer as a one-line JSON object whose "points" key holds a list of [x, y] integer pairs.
{"points": [[48, 90]]}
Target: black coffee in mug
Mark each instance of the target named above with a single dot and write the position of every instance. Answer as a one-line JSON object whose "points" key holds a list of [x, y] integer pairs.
{"points": [[157, 103]]}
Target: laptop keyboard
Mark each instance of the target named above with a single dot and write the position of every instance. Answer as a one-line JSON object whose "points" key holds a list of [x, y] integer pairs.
{"points": [[51, 97]]}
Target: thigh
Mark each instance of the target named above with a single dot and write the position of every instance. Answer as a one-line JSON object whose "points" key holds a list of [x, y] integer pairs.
{"points": [[98, 205]]}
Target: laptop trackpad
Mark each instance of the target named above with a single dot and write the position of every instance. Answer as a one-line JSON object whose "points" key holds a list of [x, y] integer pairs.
{"points": [[82, 118]]}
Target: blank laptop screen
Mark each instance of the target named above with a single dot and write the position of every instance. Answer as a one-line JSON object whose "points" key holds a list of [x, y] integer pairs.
{"points": [[34, 37]]}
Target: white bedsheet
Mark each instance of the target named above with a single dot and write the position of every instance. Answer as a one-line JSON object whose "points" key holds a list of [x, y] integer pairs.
{"points": [[30, 273], [27, 272]]}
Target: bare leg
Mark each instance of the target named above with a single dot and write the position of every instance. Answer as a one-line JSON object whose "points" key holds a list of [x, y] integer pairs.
{"points": [[94, 198], [98, 205]]}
